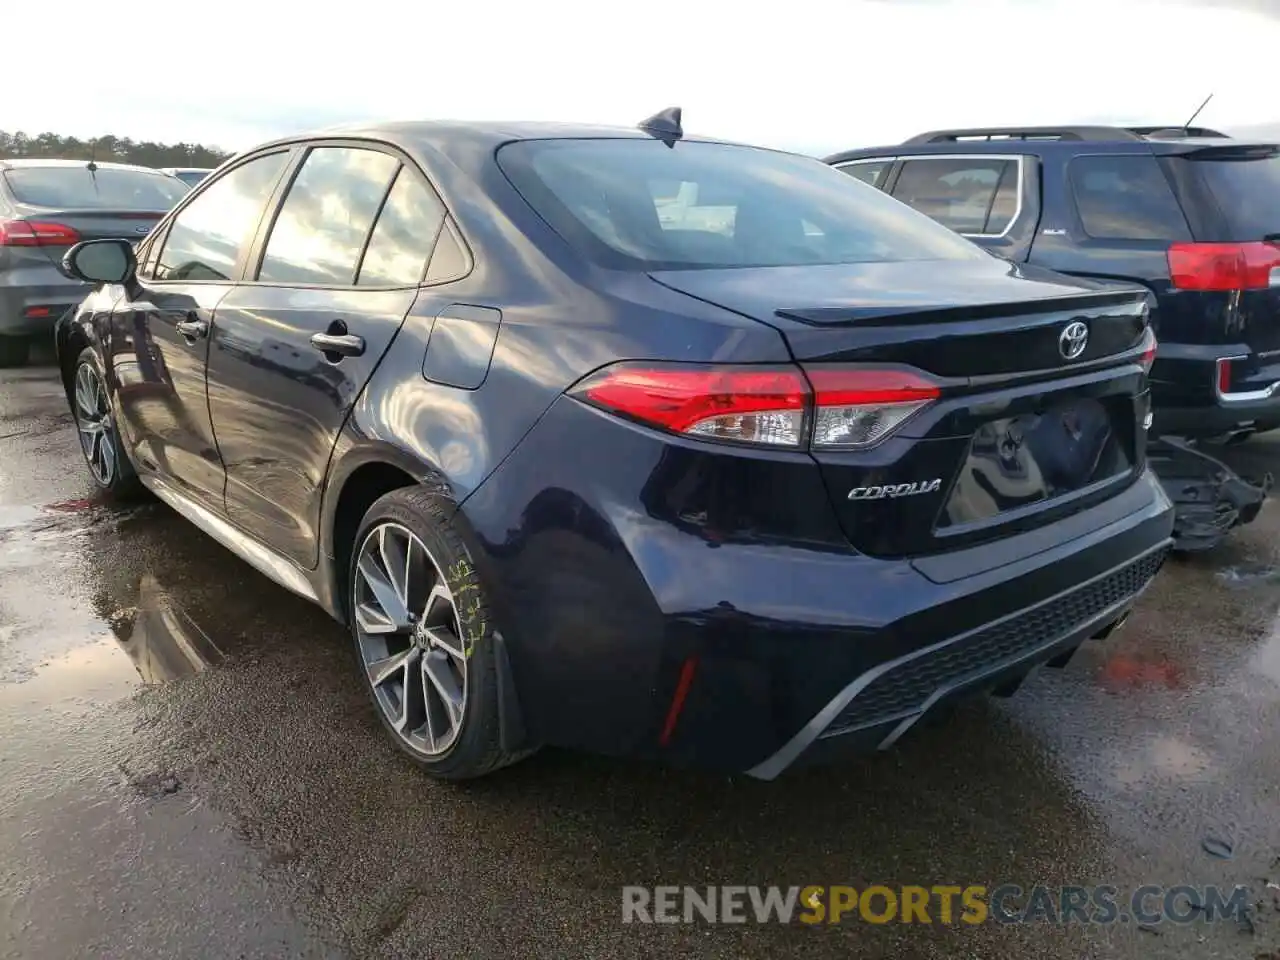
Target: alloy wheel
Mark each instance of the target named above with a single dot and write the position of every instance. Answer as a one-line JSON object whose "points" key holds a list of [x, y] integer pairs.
{"points": [[409, 637], [95, 423]]}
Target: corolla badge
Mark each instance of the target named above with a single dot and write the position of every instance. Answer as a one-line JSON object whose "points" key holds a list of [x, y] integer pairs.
{"points": [[896, 490], [1073, 339]]}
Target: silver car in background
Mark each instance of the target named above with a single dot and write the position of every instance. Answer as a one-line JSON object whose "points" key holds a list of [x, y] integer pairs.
{"points": [[46, 206]]}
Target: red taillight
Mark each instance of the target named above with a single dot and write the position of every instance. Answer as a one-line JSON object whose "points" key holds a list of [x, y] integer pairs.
{"points": [[1149, 345], [35, 233], [1224, 375], [1224, 266], [721, 403], [773, 406]]}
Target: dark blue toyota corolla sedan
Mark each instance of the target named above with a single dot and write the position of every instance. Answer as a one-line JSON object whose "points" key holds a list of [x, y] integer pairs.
{"points": [[624, 440]]}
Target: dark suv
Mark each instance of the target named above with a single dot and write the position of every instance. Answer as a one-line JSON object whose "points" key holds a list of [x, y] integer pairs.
{"points": [[1190, 214], [626, 441]]}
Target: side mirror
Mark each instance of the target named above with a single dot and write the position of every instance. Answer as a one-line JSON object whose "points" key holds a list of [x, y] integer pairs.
{"points": [[101, 261]]}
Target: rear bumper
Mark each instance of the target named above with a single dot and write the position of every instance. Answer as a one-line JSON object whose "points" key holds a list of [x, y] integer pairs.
{"points": [[881, 705], [1186, 398], [32, 299], [638, 627]]}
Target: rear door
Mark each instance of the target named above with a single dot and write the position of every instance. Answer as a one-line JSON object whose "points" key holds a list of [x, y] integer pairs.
{"points": [[336, 270]]}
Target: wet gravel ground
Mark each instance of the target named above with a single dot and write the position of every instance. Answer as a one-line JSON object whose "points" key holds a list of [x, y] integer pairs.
{"points": [[188, 768]]}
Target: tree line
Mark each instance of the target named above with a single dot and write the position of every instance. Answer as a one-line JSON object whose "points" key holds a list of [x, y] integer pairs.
{"points": [[146, 153]]}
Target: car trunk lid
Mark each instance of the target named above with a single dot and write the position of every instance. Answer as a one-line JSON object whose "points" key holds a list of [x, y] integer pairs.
{"points": [[1025, 423], [59, 229]]}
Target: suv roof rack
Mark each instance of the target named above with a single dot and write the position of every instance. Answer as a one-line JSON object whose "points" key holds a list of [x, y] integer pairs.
{"points": [[1028, 133], [1177, 133]]}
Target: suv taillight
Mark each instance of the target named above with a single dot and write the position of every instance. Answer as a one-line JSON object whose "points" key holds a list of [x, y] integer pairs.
{"points": [[1224, 266], [822, 407], [36, 233]]}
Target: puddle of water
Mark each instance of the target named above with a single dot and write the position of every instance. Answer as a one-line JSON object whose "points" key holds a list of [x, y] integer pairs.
{"points": [[94, 671], [1164, 757], [1267, 659], [1123, 672], [1249, 573], [161, 639], [13, 517]]}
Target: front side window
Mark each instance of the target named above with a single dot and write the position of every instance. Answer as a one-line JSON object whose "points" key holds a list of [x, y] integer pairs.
{"points": [[403, 237], [209, 235], [868, 171], [639, 204], [321, 229], [1126, 198], [976, 195]]}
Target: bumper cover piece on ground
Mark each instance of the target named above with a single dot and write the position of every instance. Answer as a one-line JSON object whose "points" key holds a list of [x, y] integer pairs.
{"points": [[1210, 499]]}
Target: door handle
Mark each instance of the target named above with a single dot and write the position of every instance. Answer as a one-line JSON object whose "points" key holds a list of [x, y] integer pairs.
{"points": [[342, 344], [192, 329]]}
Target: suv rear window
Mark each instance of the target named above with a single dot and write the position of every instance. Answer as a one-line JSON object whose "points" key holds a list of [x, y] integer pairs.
{"points": [[640, 204], [107, 188], [1246, 189], [1126, 198]]}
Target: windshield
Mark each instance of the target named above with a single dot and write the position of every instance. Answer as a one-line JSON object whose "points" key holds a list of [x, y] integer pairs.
{"points": [[1247, 190], [108, 188], [640, 204]]}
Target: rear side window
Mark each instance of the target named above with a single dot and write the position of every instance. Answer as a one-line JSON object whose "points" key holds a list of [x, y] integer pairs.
{"points": [[208, 236], [975, 195], [106, 188], [320, 231], [1126, 198], [1246, 189], [868, 171], [403, 236], [639, 204]]}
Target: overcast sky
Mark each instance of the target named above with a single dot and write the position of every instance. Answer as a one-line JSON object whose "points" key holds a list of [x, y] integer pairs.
{"points": [[810, 75]]}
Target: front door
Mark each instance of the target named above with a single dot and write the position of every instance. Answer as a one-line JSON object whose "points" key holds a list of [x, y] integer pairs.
{"points": [[159, 342], [293, 346]]}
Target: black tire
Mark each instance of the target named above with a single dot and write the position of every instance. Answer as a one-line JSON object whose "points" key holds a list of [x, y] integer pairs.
{"points": [[14, 351], [477, 748], [121, 481]]}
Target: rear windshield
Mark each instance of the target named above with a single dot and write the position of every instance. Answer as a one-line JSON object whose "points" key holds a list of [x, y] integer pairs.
{"points": [[107, 188], [1246, 190], [639, 204]]}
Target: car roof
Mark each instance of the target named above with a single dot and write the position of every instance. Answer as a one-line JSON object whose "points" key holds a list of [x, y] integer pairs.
{"points": [[16, 163], [1034, 147], [455, 138]]}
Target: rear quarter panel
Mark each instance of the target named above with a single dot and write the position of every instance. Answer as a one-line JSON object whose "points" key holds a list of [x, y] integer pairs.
{"points": [[560, 318]]}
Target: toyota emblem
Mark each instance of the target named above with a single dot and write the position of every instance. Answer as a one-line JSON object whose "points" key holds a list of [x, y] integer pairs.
{"points": [[1073, 339]]}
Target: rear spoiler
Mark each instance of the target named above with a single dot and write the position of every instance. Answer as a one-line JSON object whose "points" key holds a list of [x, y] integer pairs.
{"points": [[1234, 151]]}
